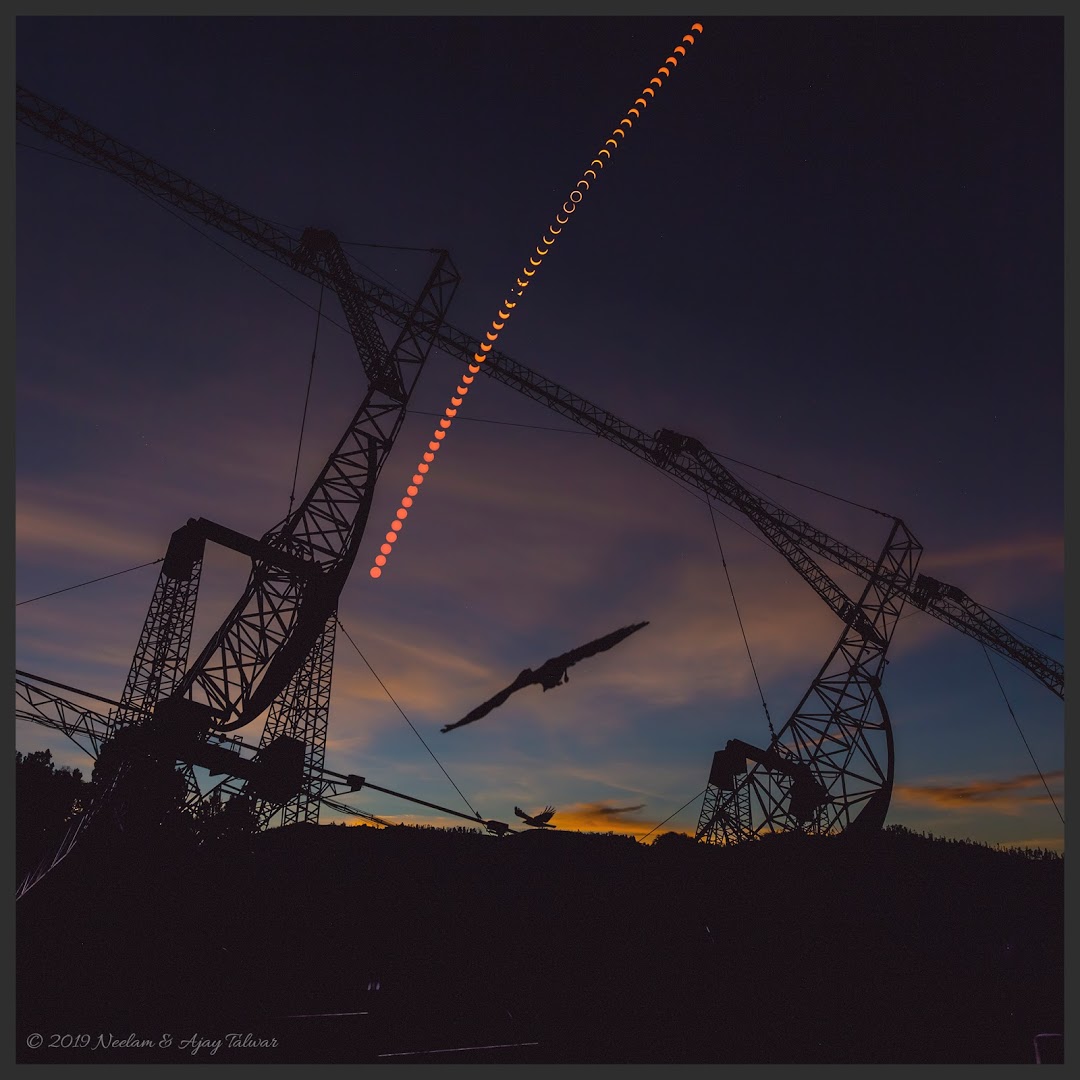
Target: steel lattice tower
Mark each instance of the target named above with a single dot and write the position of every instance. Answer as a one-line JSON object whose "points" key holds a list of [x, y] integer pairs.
{"points": [[830, 767], [302, 712], [161, 656]]}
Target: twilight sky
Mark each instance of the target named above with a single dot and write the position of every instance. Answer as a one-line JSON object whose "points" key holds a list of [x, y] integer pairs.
{"points": [[831, 249]]}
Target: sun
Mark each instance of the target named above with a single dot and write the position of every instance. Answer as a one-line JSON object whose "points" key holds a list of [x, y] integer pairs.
{"points": [[525, 277]]}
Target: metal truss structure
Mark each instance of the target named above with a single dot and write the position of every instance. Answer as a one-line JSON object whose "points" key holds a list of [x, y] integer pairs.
{"points": [[829, 768]]}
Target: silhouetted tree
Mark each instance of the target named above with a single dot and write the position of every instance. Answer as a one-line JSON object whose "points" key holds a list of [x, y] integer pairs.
{"points": [[225, 824], [48, 799], [676, 841]]}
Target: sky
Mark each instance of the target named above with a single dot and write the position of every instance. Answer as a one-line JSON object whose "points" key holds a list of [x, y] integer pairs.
{"points": [[830, 249]]}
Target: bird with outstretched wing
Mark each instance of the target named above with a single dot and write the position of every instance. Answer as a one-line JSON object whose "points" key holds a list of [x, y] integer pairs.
{"points": [[541, 820], [551, 673]]}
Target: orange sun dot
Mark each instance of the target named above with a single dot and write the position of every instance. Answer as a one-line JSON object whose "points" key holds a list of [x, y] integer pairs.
{"points": [[698, 27], [568, 207]]}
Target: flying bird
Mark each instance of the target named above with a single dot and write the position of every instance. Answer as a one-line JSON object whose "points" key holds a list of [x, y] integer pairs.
{"points": [[541, 820], [551, 673]]}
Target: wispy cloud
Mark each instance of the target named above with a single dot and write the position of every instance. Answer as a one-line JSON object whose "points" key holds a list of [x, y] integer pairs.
{"points": [[607, 812], [600, 817], [1049, 551], [1010, 796], [52, 522]]}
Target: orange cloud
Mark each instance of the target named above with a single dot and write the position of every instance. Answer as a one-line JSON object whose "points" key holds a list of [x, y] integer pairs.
{"points": [[1048, 843], [600, 817], [1010, 796]]}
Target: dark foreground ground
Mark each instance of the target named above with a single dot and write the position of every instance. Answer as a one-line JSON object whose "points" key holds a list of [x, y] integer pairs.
{"points": [[320, 944]]}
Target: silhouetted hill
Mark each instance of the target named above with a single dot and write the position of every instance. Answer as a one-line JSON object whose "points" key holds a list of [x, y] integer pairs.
{"points": [[888, 948]]}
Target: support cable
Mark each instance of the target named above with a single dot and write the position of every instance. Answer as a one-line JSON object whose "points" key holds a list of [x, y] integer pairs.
{"points": [[670, 816], [239, 258], [372, 272], [1022, 736], [64, 686], [506, 423], [809, 487], [388, 247], [407, 720], [191, 225], [1030, 626], [345, 330], [92, 581], [307, 398], [109, 172], [742, 629]]}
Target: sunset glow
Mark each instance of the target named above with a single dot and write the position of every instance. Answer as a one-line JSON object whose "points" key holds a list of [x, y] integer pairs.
{"points": [[159, 380]]}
